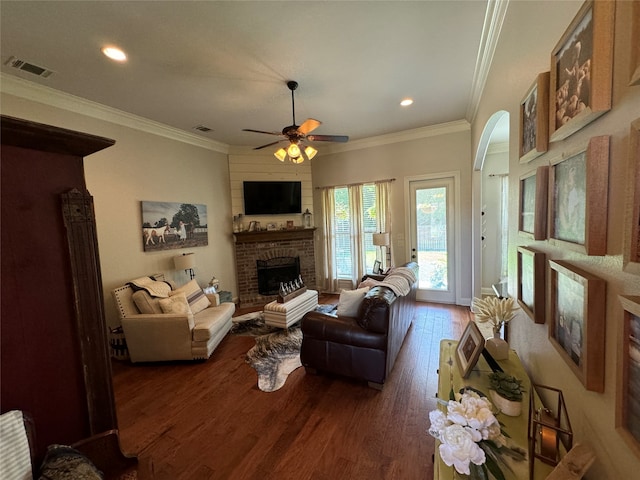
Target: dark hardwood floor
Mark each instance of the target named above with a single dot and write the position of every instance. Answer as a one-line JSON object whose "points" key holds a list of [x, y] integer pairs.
{"points": [[208, 420]]}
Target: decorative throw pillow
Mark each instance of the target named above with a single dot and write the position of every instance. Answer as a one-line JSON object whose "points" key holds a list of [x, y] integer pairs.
{"points": [[175, 304], [145, 302], [350, 301], [66, 463], [198, 301]]}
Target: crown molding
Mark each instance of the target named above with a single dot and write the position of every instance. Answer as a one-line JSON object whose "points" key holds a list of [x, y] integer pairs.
{"points": [[397, 137], [55, 98], [493, 20], [49, 96]]}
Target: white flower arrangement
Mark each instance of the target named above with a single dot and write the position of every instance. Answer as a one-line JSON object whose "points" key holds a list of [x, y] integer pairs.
{"points": [[496, 310], [471, 439]]}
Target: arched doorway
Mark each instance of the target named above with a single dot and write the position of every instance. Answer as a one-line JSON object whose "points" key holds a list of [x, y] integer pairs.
{"points": [[490, 181]]}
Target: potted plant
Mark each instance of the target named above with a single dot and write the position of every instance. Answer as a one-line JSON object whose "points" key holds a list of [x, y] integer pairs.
{"points": [[506, 393]]}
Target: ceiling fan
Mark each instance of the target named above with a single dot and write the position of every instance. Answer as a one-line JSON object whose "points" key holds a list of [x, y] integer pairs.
{"points": [[297, 134]]}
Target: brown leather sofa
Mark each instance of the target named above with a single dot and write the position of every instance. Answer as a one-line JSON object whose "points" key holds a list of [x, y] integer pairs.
{"points": [[365, 347]]}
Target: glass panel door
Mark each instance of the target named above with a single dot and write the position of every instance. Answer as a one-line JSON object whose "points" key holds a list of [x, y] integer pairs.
{"points": [[432, 238]]}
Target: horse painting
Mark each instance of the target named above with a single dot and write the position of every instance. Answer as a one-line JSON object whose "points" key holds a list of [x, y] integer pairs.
{"points": [[159, 232]]}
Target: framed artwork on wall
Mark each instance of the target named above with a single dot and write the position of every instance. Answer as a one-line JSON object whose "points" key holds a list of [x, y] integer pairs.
{"points": [[578, 197], [628, 381], [169, 225], [469, 348], [631, 256], [581, 70], [532, 221], [531, 283], [534, 119], [577, 321]]}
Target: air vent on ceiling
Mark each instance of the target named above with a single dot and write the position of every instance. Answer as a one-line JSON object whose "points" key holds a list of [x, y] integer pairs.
{"points": [[29, 67], [202, 128]]}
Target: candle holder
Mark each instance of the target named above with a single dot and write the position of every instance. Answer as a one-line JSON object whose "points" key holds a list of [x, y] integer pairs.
{"points": [[549, 428]]}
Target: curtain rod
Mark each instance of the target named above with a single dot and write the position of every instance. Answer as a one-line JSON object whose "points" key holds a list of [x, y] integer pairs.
{"points": [[356, 184]]}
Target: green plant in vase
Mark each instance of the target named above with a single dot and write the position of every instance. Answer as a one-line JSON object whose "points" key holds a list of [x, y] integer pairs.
{"points": [[506, 393]]}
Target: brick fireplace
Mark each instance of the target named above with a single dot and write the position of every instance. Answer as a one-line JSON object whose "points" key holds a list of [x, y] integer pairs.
{"points": [[269, 245]]}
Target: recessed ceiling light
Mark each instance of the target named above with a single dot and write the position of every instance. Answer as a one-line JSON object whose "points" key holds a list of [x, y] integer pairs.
{"points": [[406, 102], [114, 53]]}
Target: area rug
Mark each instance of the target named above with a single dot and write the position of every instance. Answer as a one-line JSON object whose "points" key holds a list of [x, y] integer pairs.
{"points": [[277, 351]]}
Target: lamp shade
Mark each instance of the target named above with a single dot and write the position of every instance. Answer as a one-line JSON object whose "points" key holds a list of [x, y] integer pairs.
{"points": [[310, 151], [281, 154], [381, 239], [185, 261]]}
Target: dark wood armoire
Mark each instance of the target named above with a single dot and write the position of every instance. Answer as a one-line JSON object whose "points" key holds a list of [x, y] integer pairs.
{"points": [[54, 354]]}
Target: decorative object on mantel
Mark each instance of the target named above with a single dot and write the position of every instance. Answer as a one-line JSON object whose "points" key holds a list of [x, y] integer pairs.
{"points": [[306, 219], [547, 426], [238, 225], [498, 311], [186, 262], [506, 393], [471, 438]]}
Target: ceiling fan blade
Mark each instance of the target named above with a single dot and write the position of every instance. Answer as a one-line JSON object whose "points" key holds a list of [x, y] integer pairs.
{"points": [[328, 138], [268, 144], [261, 131], [309, 125]]}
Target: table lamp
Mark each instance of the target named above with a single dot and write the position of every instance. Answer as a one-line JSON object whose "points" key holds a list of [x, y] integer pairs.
{"points": [[186, 262]]}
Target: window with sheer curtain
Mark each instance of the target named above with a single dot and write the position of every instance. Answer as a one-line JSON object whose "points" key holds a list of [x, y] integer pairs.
{"points": [[352, 214]]}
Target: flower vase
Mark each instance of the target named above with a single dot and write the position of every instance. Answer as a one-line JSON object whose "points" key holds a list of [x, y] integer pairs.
{"points": [[497, 347]]}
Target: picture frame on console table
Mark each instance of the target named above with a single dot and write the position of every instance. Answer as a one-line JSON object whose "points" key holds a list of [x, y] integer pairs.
{"points": [[578, 197], [533, 202], [577, 321], [531, 283], [628, 374], [581, 70], [469, 349], [534, 119]]}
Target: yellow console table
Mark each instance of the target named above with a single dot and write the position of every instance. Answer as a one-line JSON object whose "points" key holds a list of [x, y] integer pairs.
{"points": [[516, 427]]}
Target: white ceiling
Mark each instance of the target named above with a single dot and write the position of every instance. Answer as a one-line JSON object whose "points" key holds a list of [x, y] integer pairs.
{"points": [[224, 64]]}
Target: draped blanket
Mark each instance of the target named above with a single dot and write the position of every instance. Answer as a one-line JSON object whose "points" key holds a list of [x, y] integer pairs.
{"points": [[399, 280]]}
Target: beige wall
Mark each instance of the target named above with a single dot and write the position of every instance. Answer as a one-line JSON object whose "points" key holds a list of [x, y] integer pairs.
{"points": [[442, 149], [143, 166], [530, 32]]}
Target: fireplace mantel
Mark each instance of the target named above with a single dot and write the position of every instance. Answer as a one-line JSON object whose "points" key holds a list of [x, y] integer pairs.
{"points": [[263, 245], [274, 235]]}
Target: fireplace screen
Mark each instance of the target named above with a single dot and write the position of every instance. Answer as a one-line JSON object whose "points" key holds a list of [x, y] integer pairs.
{"points": [[274, 271]]}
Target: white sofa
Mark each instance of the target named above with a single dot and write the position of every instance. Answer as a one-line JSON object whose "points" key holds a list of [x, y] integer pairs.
{"points": [[183, 335]]}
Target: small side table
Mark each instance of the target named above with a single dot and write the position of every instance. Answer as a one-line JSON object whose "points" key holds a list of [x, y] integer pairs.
{"points": [[225, 296]]}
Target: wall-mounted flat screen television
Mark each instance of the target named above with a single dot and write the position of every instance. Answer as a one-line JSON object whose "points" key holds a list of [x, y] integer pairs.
{"points": [[272, 198]]}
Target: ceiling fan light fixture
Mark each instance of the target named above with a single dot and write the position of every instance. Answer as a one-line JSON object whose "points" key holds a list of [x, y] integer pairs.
{"points": [[310, 152], [294, 150], [281, 154]]}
